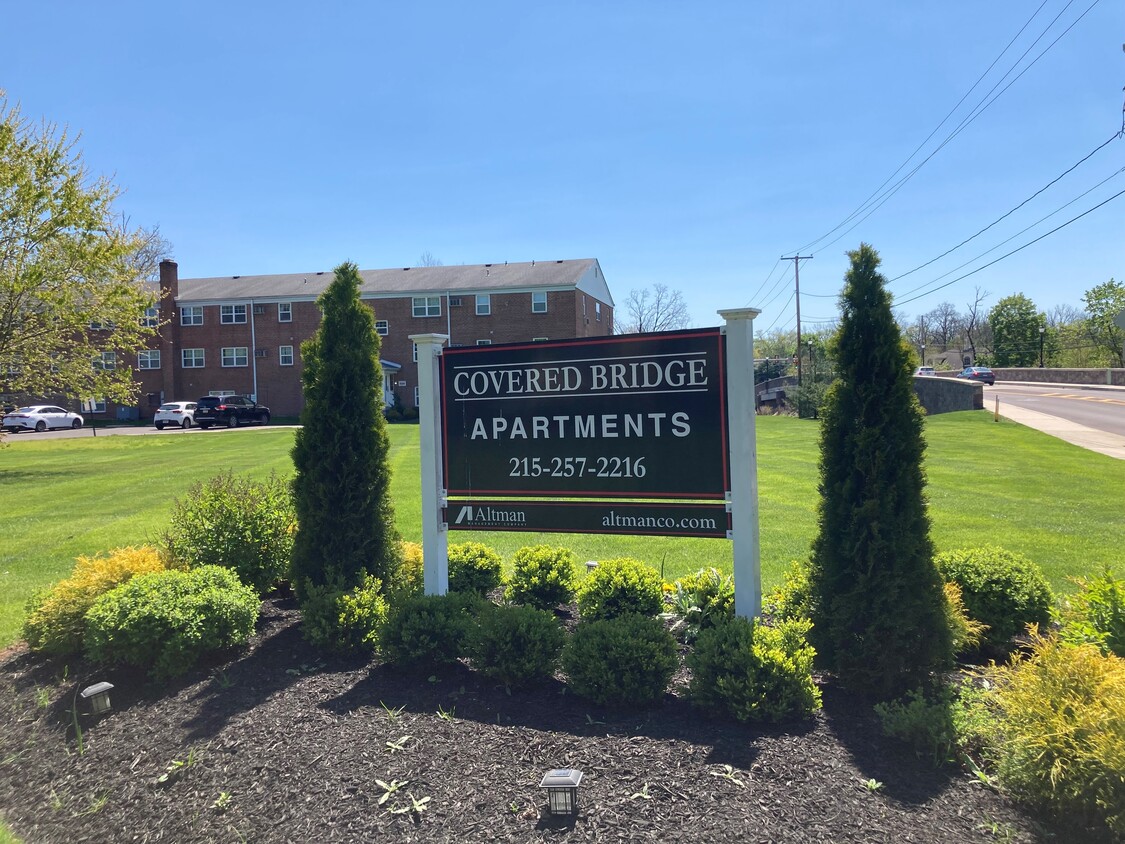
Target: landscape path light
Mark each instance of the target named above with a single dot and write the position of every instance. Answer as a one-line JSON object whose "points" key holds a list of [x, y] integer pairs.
{"points": [[562, 790], [98, 696]]}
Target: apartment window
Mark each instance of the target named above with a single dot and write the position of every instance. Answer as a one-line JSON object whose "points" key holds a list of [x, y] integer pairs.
{"points": [[484, 342], [598, 311], [426, 306], [284, 312], [382, 327], [414, 346], [538, 339], [151, 318], [484, 304], [233, 314], [192, 315], [285, 355], [191, 358], [93, 405], [417, 397], [149, 359], [539, 303], [235, 356], [106, 361]]}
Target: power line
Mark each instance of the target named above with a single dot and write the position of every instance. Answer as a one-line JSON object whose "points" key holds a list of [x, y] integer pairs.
{"points": [[917, 149], [978, 110], [1112, 138], [1014, 251], [1017, 234]]}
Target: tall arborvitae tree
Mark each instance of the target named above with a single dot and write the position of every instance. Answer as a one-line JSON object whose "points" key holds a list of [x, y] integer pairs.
{"points": [[342, 485], [878, 599]]}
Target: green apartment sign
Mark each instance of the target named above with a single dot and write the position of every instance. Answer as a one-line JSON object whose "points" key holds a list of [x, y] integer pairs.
{"points": [[632, 416]]}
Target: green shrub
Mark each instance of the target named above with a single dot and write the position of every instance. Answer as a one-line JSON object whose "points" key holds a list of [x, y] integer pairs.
{"points": [[474, 567], [947, 723], [702, 600], [165, 621], [792, 599], [423, 631], [362, 614], [542, 576], [515, 644], [56, 618], [1001, 589], [1096, 614], [409, 575], [625, 661], [620, 587], [1061, 744], [753, 672], [237, 522]]}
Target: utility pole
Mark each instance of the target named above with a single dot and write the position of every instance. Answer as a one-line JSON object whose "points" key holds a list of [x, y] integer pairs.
{"points": [[796, 259]]}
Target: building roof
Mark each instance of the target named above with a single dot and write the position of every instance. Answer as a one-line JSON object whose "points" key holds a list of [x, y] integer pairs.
{"points": [[583, 274]]}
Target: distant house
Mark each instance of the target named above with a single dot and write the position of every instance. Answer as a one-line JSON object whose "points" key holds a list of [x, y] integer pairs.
{"points": [[243, 334]]}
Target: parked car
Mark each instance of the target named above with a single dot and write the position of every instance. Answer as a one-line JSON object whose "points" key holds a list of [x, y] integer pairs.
{"points": [[925, 370], [978, 373], [40, 417], [178, 413], [230, 411]]}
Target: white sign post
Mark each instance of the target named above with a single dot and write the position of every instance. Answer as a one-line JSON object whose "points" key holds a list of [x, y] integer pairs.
{"points": [[435, 536], [743, 460]]}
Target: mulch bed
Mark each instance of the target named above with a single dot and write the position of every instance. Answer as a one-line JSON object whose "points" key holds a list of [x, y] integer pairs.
{"points": [[283, 744]]}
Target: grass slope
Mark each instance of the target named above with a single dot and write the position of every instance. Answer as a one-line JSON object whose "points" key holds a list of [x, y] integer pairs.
{"points": [[989, 483]]}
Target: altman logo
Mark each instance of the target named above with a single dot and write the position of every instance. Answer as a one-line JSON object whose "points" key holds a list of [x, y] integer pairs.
{"points": [[470, 515]]}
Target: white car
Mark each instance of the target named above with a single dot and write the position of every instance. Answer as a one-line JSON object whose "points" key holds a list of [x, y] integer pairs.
{"points": [[178, 413], [41, 417], [925, 371]]}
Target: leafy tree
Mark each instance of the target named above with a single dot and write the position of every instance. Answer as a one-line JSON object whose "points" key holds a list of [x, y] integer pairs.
{"points": [[878, 602], [658, 309], [72, 291], [1103, 303], [1015, 327], [345, 521]]}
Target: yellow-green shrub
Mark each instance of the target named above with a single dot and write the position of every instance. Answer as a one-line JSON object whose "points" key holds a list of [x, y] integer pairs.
{"points": [[966, 632], [408, 578], [55, 623], [1096, 613], [1061, 735]]}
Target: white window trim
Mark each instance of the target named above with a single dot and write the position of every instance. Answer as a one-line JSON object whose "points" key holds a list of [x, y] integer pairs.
{"points": [[429, 304], [417, 397], [597, 311], [151, 318], [284, 312], [535, 302], [193, 311], [148, 359], [202, 358], [384, 326], [414, 347], [487, 303], [245, 356], [281, 355], [232, 311], [484, 342]]}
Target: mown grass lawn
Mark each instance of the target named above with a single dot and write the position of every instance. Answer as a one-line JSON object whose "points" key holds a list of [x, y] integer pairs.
{"points": [[989, 483]]}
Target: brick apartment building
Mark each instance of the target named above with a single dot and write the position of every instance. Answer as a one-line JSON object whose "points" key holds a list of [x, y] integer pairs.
{"points": [[243, 334]]}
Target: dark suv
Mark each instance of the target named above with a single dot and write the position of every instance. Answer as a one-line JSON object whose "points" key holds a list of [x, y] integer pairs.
{"points": [[230, 411]]}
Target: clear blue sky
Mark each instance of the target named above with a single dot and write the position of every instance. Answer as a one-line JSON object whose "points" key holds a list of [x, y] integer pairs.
{"points": [[689, 144]]}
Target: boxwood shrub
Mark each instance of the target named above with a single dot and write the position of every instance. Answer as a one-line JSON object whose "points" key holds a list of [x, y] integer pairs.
{"points": [[999, 588], [517, 645], [625, 661], [619, 587], [542, 576], [165, 621], [424, 631], [474, 567], [753, 672]]}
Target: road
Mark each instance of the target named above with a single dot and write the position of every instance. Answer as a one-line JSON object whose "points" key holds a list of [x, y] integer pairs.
{"points": [[134, 431], [1098, 408]]}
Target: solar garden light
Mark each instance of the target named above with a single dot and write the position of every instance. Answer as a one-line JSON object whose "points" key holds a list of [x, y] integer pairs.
{"points": [[562, 790], [591, 565], [98, 696]]}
